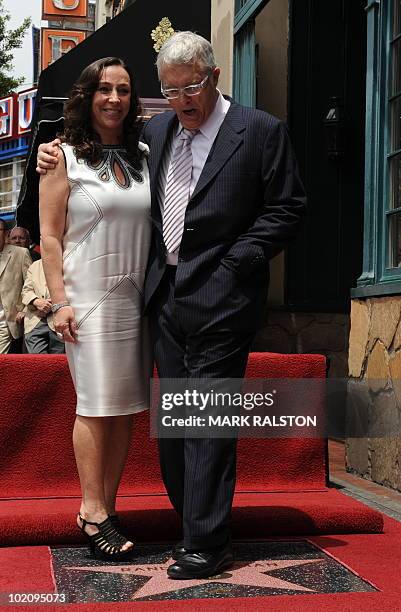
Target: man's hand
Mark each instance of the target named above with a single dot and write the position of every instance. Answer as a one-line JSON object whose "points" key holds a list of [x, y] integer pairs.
{"points": [[47, 156], [19, 317], [43, 306]]}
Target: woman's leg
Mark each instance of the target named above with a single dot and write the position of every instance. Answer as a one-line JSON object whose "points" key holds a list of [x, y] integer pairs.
{"points": [[118, 441], [90, 437]]}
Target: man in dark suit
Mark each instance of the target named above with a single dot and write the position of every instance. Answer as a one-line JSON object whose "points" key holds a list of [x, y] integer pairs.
{"points": [[226, 198], [216, 227]]}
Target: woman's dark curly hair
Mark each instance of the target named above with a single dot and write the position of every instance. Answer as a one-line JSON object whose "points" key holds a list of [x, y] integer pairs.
{"points": [[78, 129]]}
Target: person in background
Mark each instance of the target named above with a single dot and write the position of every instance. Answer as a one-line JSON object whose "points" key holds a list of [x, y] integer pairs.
{"points": [[14, 264], [20, 236], [39, 333]]}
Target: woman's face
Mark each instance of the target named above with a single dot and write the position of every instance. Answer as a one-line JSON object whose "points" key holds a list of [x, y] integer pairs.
{"points": [[111, 103]]}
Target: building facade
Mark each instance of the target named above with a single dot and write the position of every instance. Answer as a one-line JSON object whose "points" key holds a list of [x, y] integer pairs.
{"points": [[16, 113], [332, 70], [375, 340], [107, 9], [304, 63], [67, 25]]}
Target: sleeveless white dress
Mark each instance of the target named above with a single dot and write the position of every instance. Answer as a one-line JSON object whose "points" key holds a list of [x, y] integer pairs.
{"points": [[105, 252]]}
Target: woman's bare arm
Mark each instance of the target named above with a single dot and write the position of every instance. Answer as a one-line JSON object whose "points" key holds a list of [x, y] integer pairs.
{"points": [[53, 198]]}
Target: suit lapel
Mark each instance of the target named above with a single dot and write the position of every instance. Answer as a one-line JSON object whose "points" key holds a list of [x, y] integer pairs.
{"points": [[4, 259], [227, 141], [42, 286]]}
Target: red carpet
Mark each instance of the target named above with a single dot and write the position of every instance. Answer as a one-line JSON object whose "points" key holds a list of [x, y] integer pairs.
{"points": [[37, 415], [150, 518], [36, 418], [376, 558]]}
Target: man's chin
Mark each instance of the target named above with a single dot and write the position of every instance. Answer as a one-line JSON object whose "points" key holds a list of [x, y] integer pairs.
{"points": [[190, 122]]}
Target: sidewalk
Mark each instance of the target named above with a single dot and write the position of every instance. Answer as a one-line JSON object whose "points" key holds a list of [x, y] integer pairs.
{"points": [[380, 498]]}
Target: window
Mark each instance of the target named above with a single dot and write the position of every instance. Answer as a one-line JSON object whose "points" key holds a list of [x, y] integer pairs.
{"points": [[11, 174], [382, 226], [394, 210]]}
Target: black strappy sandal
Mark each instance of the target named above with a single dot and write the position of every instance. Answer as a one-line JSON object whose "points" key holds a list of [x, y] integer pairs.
{"points": [[107, 543], [115, 520]]}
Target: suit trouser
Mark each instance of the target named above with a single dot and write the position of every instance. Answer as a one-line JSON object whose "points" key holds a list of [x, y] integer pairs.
{"points": [[5, 339], [199, 473], [42, 339]]}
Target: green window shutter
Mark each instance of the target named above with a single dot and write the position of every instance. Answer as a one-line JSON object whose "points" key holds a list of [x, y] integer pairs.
{"points": [[244, 81], [369, 273], [245, 65]]}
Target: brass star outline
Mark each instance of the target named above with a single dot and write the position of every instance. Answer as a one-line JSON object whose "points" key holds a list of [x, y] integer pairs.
{"points": [[242, 574]]}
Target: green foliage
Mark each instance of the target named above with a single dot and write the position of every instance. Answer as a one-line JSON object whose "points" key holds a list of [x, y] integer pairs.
{"points": [[9, 40]]}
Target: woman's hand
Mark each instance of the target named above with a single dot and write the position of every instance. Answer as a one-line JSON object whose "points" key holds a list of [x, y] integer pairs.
{"points": [[47, 158], [65, 324]]}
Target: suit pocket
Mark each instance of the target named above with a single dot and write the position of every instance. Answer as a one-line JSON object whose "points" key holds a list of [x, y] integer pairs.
{"points": [[218, 301], [244, 260], [227, 265]]}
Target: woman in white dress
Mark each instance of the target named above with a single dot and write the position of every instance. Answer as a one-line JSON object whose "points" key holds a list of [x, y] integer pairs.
{"points": [[95, 238]]}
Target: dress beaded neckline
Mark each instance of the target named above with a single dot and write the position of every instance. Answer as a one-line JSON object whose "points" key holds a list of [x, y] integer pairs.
{"points": [[115, 166]]}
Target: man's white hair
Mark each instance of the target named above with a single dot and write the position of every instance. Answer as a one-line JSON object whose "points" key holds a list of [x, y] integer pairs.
{"points": [[19, 227], [186, 48]]}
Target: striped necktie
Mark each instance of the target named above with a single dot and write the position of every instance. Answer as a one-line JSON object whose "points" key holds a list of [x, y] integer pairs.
{"points": [[177, 190]]}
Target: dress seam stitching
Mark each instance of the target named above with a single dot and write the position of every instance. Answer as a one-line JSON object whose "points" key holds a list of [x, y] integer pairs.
{"points": [[91, 229], [105, 296]]}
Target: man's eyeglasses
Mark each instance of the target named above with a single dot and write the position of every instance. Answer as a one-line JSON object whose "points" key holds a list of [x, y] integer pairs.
{"points": [[190, 90]]}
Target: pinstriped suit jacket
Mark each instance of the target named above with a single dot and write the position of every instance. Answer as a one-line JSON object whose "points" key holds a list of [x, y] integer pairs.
{"points": [[246, 206]]}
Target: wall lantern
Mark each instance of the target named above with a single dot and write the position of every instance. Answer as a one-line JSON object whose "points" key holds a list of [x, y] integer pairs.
{"points": [[334, 124]]}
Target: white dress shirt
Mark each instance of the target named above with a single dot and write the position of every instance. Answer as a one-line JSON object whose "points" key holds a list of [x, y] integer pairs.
{"points": [[200, 147]]}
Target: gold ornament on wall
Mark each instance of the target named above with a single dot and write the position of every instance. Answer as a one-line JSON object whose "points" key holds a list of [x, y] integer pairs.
{"points": [[161, 33]]}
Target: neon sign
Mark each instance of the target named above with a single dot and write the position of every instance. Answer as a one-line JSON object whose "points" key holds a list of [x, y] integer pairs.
{"points": [[26, 105], [6, 117], [16, 113]]}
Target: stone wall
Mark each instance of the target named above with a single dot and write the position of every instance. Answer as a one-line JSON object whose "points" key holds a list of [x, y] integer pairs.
{"points": [[375, 354], [222, 35], [290, 332]]}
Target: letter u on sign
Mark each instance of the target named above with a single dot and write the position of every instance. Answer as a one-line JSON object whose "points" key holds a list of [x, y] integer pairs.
{"points": [[64, 9], [66, 5], [26, 102]]}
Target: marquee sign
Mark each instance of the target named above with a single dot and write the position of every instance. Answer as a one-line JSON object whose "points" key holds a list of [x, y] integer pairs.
{"points": [[55, 43], [16, 113], [26, 104], [6, 117], [64, 13], [53, 9]]}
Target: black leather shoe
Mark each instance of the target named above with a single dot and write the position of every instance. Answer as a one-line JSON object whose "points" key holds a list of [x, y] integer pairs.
{"points": [[178, 550], [201, 564]]}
